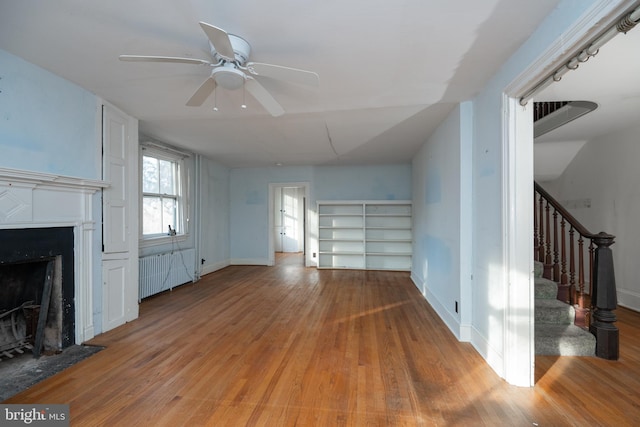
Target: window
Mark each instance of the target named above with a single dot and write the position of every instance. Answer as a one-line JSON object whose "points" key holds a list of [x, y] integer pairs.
{"points": [[162, 202]]}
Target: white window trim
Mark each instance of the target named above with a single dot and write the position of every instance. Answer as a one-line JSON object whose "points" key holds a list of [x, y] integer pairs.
{"points": [[166, 153]]}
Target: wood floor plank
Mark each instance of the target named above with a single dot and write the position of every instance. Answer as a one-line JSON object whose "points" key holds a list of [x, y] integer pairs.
{"points": [[295, 346]]}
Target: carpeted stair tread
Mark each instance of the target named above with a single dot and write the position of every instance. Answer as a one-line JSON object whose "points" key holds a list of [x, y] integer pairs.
{"points": [[545, 288], [538, 269], [555, 333], [553, 311], [563, 340]]}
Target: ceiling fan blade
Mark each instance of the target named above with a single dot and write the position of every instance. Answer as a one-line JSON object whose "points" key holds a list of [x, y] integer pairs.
{"points": [[220, 41], [284, 73], [203, 92], [141, 58], [263, 97]]}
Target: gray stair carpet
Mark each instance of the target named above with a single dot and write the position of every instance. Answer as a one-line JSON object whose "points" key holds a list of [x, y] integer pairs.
{"points": [[555, 333]]}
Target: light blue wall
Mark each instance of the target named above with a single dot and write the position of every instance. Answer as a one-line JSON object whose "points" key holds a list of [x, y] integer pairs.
{"points": [[375, 182], [249, 214], [249, 192], [47, 124], [436, 219]]}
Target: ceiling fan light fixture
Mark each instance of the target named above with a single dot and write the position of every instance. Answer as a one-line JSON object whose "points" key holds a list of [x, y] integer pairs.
{"points": [[230, 70], [228, 77]]}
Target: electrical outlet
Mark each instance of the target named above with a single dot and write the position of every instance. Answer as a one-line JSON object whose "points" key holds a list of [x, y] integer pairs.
{"points": [[314, 254]]}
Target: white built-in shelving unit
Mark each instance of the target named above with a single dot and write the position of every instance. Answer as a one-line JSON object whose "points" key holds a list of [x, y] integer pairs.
{"points": [[371, 235]]}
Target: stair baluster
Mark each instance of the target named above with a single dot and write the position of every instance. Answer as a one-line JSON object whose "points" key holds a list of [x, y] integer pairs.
{"points": [[556, 260], [547, 238], [578, 298], [591, 256], [563, 255], [572, 265], [536, 241], [541, 239]]}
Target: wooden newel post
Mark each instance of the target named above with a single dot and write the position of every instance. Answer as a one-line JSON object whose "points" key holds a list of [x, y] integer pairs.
{"points": [[604, 299]]}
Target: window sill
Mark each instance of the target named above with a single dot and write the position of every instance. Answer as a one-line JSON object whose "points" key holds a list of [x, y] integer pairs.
{"points": [[161, 240]]}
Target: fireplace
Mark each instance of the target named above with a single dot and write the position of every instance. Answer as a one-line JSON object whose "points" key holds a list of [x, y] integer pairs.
{"points": [[47, 217], [36, 289]]}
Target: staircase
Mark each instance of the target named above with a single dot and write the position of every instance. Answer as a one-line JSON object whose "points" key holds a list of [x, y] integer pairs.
{"points": [[575, 289], [555, 331]]}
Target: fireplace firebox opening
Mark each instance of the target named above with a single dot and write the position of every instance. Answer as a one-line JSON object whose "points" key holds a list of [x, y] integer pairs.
{"points": [[36, 290]]}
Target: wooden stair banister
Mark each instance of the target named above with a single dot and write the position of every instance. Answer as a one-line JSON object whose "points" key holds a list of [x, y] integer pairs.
{"points": [[553, 226]]}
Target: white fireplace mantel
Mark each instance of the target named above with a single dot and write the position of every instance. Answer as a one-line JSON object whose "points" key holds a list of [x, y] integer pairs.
{"points": [[44, 179], [31, 199]]}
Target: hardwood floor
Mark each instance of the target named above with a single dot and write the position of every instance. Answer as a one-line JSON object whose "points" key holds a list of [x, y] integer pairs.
{"points": [[288, 345]]}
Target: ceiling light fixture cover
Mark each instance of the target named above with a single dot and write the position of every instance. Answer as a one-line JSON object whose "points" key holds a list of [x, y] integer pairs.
{"points": [[228, 77]]}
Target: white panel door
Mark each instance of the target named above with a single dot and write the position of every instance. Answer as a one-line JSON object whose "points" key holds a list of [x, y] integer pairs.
{"points": [[291, 220], [115, 276], [114, 198], [120, 219], [277, 219]]}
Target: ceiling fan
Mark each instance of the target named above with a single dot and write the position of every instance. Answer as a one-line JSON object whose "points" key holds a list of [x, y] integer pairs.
{"points": [[230, 70]]}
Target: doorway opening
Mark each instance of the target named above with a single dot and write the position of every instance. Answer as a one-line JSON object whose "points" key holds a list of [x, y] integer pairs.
{"points": [[288, 234], [519, 359]]}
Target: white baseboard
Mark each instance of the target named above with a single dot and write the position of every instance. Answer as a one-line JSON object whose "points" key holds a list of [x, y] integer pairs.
{"points": [[462, 334], [493, 357], [249, 261], [466, 332], [210, 268], [629, 299]]}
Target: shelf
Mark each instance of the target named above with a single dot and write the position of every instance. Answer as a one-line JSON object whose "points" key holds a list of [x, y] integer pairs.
{"points": [[340, 209], [365, 235], [387, 228], [389, 241], [388, 254], [388, 215]]}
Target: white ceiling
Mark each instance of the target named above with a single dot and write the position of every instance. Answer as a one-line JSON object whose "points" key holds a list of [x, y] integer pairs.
{"points": [[390, 71], [609, 79]]}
